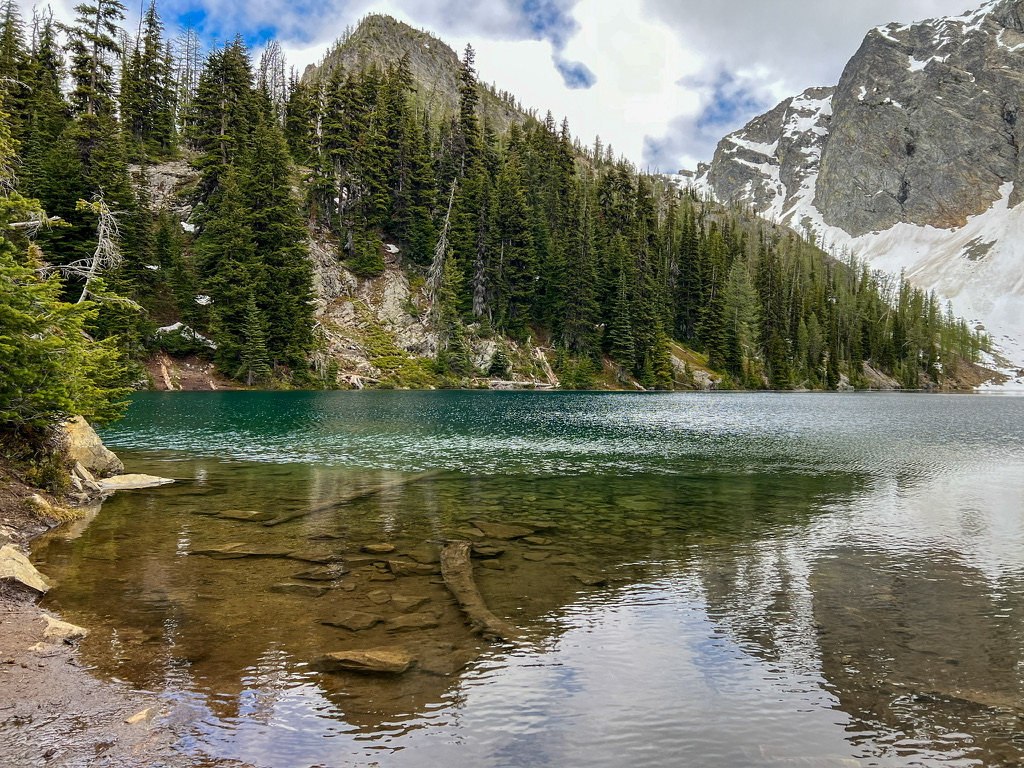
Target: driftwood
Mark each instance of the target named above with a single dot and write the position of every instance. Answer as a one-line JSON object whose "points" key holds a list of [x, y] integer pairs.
{"points": [[355, 496], [457, 571]]}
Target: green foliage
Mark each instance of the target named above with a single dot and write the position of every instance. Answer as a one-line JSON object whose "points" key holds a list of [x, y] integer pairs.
{"points": [[255, 358], [93, 45], [367, 256], [148, 91], [577, 373], [49, 369], [501, 365]]}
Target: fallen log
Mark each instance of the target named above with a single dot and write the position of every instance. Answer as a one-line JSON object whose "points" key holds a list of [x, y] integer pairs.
{"points": [[457, 570], [355, 496]]}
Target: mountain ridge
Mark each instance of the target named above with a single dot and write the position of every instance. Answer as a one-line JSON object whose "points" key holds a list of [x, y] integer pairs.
{"points": [[912, 162]]}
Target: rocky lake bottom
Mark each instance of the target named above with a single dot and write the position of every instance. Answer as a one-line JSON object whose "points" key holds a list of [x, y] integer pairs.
{"points": [[692, 579]]}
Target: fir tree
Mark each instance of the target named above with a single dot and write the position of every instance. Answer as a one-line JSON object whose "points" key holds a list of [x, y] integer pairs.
{"points": [[93, 45], [147, 90], [255, 364]]}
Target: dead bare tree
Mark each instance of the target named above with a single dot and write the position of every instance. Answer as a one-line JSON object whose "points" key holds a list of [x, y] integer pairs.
{"points": [[108, 252]]}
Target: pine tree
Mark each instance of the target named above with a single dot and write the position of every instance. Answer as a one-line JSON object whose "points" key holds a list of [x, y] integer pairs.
{"points": [[470, 136], [224, 109], [147, 91], [619, 337], [93, 45], [49, 368], [285, 285], [255, 364], [228, 266], [513, 264], [46, 113]]}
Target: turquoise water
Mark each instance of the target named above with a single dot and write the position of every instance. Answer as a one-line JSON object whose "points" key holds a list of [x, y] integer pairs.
{"points": [[712, 579]]}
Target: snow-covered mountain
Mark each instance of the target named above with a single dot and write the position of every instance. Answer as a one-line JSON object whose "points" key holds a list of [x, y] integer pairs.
{"points": [[913, 162]]}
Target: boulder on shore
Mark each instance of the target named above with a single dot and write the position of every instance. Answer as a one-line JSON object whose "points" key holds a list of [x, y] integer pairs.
{"points": [[58, 631], [16, 569], [392, 661], [85, 447]]}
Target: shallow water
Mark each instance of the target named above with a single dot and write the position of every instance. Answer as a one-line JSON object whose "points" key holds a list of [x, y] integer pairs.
{"points": [[834, 579]]}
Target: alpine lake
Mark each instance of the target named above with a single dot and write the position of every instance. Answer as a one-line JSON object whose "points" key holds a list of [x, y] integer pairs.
{"points": [[719, 579]]}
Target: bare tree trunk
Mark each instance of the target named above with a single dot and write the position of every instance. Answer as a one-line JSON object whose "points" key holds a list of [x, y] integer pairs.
{"points": [[457, 570], [436, 274]]}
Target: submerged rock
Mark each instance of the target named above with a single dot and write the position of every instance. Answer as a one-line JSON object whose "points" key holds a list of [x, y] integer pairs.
{"points": [[241, 549], [409, 603], [485, 551], [411, 622], [326, 573], [448, 664], [392, 661], [16, 569], [425, 556], [245, 515], [302, 590], [379, 549], [126, 482], [402, 568], [314, 556], [502, 531], [356, 621]]}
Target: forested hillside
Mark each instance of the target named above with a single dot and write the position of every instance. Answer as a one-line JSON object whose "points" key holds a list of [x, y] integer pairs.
{"points": [[507, 227]]}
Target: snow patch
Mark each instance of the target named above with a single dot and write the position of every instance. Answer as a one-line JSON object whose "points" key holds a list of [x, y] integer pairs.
{"points": [[187, 333], [1006, 46], [768, 150], [918, 65], [188, 227]]}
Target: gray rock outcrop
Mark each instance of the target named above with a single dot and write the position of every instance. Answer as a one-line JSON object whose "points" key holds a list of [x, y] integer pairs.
{"points": [[775, 156], [924, 127], [925, 124], [85, 447]]}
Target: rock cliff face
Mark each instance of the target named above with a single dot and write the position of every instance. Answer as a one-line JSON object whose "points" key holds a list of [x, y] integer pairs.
{"points": [[913, 161]]}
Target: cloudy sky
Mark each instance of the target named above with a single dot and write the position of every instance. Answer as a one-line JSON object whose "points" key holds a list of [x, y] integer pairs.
{"points": [[660, 80]]}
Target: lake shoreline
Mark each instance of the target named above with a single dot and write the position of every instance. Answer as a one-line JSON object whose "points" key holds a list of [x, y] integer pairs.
{"points": [[76, 718]]}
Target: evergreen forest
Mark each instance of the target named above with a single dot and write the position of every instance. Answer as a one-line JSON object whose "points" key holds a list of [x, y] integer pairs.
{"points": [[514, 229]]}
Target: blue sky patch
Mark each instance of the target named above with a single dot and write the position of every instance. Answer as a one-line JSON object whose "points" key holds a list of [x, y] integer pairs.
{"points": [[550, 20], [575, 74], [731, 106]]}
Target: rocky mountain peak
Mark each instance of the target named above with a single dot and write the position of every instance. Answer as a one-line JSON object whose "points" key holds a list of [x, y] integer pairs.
{"points": [[913, 160], [925, 126], [379, 40]]}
